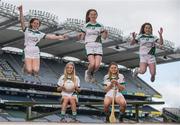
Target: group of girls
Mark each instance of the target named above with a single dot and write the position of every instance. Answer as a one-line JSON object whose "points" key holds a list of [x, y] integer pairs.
{"points": [[93, 33]]}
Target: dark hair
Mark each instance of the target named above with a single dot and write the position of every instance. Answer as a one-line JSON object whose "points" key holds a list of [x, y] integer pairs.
{"points": [[87, 14], [32, 20], [142, 28]]}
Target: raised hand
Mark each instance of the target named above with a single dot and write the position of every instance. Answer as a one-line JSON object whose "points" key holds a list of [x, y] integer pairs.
{"points": [[134, 35], [20, 8], [160, 31], [160, 36]]}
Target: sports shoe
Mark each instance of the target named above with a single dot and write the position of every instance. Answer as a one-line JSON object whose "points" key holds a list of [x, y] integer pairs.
{"points": [[107, 117], [87, 77], [120, 117], [135, 73], [152, 78], [93, 79]]}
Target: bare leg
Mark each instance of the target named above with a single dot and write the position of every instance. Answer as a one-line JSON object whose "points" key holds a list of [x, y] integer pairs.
{"points": [[64, 103], [120, 100], [98, 60], [73, 104], [142, 68], [152, 69], [36, 64], [91, 65], [107, 103], [122, 103], [28, 63], [90, 69]]}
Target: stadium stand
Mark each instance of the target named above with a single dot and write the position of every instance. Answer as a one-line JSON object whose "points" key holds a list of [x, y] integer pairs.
{"points": [[25, 98], [171, 115], [22, 93]]}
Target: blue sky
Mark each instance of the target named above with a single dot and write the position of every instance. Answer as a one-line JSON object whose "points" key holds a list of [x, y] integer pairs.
{"points": [[128, 15]]}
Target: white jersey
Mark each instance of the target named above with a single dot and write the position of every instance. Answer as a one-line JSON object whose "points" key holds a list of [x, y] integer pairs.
{"points": [[61, 83], [93, 32], [107, 81], [32, 37], [146, 43]]}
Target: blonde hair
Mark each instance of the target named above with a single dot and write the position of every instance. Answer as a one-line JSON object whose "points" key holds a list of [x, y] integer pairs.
{"points": [[109, 72], [73, 74]]}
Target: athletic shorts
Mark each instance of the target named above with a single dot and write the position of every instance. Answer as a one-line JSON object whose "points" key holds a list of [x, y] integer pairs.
{"points": [[69, 95], [32, 52], [94, 48], [147, 59], [110, 94]]}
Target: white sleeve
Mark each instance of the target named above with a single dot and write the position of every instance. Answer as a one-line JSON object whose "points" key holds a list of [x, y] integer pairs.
{"points": [[106, 81], [138, 37], [78, 81], [42, 35], [121, 78], [61, 81], [156, 38], [83, 28]]}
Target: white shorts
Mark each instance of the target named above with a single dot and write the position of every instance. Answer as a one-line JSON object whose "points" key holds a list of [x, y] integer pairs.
{"points": [[69, 95], [110, 94], [147, 59], [32, 52], [94, 48]]}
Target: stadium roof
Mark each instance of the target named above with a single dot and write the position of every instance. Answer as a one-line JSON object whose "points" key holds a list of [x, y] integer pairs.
{"points": [[116, 48]]}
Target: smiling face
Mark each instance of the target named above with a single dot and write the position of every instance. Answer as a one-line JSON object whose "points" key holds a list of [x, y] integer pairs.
{"points": [[147, 29], [69, 69], [93, 16], [34, 24], [113, 69]]}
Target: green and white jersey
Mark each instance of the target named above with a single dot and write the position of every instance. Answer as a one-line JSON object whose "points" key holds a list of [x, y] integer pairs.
{"points": [[61, 83], [107, 82], [147, 44], [32, 37], [93, 32]]}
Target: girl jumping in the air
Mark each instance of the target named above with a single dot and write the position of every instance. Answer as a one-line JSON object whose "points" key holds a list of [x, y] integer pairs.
{"points": [[93, 33], [147, 49], [32, 37]]}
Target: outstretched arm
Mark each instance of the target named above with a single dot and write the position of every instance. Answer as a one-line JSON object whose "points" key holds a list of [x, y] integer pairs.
{"points": [[20, 8], [56, 37], [81, 36]]}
